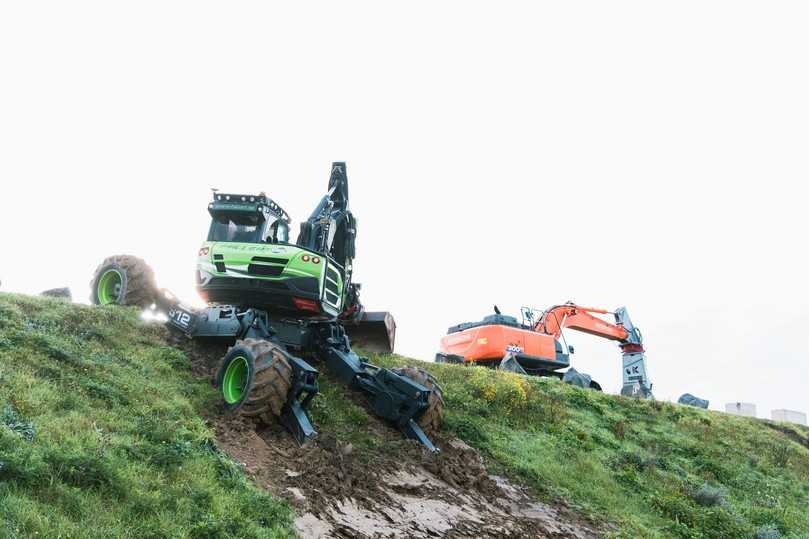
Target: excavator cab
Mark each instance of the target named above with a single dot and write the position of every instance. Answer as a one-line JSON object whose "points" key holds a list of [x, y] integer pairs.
{"points": [[247, 219]]}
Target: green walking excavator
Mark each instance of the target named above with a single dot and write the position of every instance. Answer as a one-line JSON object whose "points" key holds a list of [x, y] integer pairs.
{"points": [[281, 304]]}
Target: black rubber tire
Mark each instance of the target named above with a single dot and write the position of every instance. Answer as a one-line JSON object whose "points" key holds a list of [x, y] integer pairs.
{"points": [[595, 386], [138, 287], [431, 419], [269, 378]]}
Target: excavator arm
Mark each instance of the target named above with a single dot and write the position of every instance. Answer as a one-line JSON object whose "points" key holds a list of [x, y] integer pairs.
{"points": [[581, 319], [332, 230], [569, 315]]}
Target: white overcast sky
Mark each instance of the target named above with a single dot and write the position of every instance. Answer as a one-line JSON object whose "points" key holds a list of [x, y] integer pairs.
{"points": [[646, 154]]}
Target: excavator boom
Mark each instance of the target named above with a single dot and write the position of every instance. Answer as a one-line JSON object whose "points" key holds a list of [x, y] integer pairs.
{"points": [[332, 230], [581, 319]]}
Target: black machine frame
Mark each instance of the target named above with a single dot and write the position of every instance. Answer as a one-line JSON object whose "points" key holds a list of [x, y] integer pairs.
{"points": [[395, 398]]}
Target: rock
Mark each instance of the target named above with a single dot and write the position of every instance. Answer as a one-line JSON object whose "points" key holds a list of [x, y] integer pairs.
{"points": [[58, 293], [574, 377], [690, 400]]}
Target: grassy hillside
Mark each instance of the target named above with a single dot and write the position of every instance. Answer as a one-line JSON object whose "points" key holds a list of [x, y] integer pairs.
{"points": [[656, 469], [101, 433]]}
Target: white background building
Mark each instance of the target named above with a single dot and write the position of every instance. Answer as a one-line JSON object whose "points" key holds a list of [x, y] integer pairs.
{"points": [[746, 409], [789, 415]]}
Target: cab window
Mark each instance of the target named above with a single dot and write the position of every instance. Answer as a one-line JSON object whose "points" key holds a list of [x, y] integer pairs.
{"points": [[243, 228]]}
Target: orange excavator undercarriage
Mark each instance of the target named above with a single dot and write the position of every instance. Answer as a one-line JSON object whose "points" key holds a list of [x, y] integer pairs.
{"points": [[535, 345]]}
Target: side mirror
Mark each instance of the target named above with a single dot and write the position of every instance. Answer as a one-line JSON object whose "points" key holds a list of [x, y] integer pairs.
{"points": [[570, 349]]}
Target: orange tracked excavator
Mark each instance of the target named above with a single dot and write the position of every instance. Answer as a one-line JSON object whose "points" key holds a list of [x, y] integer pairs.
{"points": [[535, 345]]}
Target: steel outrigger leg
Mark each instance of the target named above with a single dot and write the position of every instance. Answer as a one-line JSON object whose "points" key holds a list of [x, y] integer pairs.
{"points": [[303, 390], [392, 397], [397, 399]]}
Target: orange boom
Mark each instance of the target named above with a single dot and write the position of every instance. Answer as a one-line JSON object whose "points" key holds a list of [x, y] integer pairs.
{"points": [[535, 346]]}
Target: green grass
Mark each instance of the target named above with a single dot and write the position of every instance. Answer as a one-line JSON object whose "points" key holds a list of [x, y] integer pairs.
{"points": [[101, 433], [654, 469]]}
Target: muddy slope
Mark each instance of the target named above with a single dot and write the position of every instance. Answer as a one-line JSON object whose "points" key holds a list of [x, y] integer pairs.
{"points": [[339, 491]]}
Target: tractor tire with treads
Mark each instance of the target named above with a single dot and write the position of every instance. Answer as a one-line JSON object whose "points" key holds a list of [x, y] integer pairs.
{"points": [[123, 280], [430, 420], [254, 379]]}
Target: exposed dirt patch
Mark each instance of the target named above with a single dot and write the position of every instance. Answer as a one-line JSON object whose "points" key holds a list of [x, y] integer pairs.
{"points": [[414, 494], [340, 491]]}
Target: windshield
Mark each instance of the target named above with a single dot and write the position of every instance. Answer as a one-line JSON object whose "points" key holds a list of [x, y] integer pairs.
{"points": [[248, 228], [237, 227]]}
